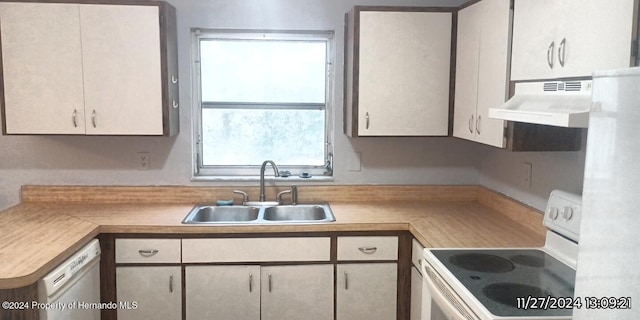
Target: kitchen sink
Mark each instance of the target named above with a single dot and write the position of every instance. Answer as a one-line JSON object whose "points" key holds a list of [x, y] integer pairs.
{"points": [[267, 214], [204, 214], [295, 213]]}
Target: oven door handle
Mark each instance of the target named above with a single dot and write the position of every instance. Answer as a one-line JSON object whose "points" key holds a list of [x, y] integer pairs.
{"points": [[447, 307]]}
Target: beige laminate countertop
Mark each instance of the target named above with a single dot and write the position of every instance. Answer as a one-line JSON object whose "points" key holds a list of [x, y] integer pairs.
{"points": [[37, 236]]}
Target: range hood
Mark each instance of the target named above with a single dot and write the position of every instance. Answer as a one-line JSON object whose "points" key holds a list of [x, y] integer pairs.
{"points": [[554, 103]]}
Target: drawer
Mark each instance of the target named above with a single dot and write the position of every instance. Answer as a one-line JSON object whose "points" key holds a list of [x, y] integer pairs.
{"points": [[256, 249], [368, 248], [416, 253], [147, 250]]}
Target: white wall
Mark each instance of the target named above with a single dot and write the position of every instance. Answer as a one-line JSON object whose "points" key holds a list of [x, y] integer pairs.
{"points": [[78, 160], [502, 171]]}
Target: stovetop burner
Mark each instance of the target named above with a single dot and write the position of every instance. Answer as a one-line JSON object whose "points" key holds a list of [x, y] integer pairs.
{"points": [[496, 277], [481, 262], [531, 259]]}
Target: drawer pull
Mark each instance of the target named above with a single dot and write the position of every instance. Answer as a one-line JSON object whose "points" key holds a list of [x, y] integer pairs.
{"points": [[368, 250], [171, 283], [250, 282], [147, 252], [270, 284]]}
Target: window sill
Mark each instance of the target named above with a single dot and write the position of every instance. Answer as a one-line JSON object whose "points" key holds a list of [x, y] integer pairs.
{"points": [[257, 179]]}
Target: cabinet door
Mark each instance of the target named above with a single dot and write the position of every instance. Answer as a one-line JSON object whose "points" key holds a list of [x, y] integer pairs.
{"points": [[493, 69], [297, 292], [366, 291], [122, 70], [222, 292], [41, 68], [151, 293], [467, 55], [403, 75], [416, 294], [534, 37], [597, 36]]}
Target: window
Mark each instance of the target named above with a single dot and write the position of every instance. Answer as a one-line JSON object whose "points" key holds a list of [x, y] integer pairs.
{"points": [[262, 96]]}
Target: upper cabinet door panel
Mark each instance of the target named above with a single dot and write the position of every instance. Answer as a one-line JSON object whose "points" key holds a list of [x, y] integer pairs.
{"points": [[122, 69], [597, 36], [534, 39], [467, 55], [493, 80], [42, 73], [404, 65]]}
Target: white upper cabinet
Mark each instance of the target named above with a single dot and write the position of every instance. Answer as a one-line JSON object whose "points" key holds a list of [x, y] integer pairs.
{"points": [[88, 69], [122, 81], [482, 64], [42, 70], [571, 38], [397, 65]]}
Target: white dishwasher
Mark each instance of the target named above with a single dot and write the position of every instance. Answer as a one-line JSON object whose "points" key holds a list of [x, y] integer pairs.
{"points": [[72, 290]]}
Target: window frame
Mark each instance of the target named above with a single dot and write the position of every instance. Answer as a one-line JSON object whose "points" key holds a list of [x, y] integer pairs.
{"points": [[251, 172]]}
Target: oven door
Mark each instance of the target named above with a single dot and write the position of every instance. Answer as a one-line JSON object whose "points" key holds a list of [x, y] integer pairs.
{"points": [[439, 301]]}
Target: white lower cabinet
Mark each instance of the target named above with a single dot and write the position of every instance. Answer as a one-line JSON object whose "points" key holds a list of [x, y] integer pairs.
{"points": [[249, 292], [297, 292], [366, 291], [416, 295], [222, 292], [149, 292], [416, 281]]}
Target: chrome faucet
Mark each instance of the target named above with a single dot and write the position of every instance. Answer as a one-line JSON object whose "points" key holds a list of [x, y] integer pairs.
{"points": [[275, 171]]}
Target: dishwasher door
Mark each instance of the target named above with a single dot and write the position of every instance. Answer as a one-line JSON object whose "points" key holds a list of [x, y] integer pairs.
{"points": [[72, 290]]}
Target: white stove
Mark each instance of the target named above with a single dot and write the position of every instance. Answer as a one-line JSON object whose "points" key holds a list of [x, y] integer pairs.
{"points": [[508, 283]]}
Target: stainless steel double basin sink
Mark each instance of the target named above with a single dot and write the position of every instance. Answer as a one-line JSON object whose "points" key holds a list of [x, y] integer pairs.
{"points": [[262, 214]]}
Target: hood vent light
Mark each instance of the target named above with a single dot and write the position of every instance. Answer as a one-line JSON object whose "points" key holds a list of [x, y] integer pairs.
{"points": [[554, 103]]}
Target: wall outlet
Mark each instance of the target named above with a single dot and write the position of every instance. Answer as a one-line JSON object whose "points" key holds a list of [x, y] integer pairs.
{"points": [[143, 162], [527, 169]]}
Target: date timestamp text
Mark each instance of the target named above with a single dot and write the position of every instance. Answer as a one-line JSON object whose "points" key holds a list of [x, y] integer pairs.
{"points": [[550, 303]]}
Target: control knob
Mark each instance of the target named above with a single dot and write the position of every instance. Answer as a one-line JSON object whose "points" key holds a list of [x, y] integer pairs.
{"points": [[553, 213], [567, 213]]}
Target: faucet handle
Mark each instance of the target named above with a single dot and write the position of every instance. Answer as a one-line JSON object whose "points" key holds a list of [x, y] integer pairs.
{"points": [[280, 194], [294, 195], [245, 196]]}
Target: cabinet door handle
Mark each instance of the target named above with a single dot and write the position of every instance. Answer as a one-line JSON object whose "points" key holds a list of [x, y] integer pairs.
{"points": [[346, 281], [561, 51], [269, 282], [368, 250], [367, 120], [75, 118], [171, 283], [478, 122], [175, 104], [174, 79], [147, 252], [250, 282], [93, 118], [550, 54], [471, 124]]}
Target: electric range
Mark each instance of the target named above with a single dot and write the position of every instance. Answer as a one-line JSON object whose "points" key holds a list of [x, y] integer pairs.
{"points": [[508, 283]]}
